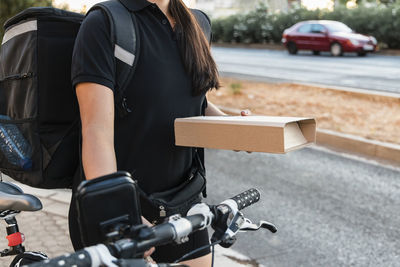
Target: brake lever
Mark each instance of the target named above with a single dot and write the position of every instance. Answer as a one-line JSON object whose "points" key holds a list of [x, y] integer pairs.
{"points": [[250, 226]]}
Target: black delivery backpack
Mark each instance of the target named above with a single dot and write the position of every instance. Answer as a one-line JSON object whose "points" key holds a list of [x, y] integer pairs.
{"points": [[39, 115]]}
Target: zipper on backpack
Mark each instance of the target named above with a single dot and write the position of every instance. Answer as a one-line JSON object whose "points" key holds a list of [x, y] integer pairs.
{"points": [[18, 76]]}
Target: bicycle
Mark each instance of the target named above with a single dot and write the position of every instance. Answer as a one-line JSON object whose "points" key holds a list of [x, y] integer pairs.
{"points": [[132, 241], [12, 201]]}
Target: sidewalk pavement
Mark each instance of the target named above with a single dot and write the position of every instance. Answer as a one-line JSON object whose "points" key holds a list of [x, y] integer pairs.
{"points": [[47, 230]]}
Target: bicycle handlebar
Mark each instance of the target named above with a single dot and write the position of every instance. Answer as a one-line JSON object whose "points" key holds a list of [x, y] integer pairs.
{"points": [[79, 258], [176, 229], [247, 198], [98, 255]]}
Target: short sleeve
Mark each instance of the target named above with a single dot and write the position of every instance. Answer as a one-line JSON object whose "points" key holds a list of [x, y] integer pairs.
{"points": [[93, 58]]}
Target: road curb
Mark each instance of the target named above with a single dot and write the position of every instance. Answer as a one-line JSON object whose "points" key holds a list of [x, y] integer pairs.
{"points": [[358, 145], [347, 89], [352, 90], [281, 47], [350, 143]]}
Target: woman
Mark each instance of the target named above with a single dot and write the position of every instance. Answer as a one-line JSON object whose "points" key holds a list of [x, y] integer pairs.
{"points": [[174, 71]]}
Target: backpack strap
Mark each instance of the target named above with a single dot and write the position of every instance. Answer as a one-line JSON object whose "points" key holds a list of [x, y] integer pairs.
{"points": [[126, 46], [204, 22]]}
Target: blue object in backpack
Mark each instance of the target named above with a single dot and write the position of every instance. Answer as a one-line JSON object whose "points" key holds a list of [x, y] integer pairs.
{"points": [[14, 145]]}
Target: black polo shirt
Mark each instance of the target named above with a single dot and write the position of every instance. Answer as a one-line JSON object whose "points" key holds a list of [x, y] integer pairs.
{"points": [[159, 92]]}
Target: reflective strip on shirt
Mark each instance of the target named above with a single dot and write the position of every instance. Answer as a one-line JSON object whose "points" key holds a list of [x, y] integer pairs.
{"points": [[20, 29], [124, 55]]}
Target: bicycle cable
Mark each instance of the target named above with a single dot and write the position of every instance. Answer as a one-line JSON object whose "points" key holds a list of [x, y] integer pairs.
{"points": [[212, 255], [197, 250]]}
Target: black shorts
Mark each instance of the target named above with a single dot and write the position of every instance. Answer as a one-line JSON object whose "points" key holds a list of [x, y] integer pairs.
{"points": [[167, 253]]}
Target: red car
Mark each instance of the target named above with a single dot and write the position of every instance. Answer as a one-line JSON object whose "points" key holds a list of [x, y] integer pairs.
{"points": [[326, 35]]}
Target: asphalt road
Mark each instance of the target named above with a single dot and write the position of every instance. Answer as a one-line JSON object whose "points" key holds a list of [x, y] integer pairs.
{"points": [[330, 210], [373, 72]]}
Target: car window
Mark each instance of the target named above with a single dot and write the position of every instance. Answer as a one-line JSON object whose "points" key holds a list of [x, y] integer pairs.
{"points": [[305, 28], [338, 27], [317, 28]]}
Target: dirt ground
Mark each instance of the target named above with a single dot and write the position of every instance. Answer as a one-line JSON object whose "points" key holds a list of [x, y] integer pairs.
{"points": [[368, 116]]}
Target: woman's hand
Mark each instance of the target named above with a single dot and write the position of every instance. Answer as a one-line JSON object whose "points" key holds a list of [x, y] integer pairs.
{"points": [[213, 110], [245, 112]]}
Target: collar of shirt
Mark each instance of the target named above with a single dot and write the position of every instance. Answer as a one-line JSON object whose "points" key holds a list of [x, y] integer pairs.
{"points": [[135, 5]]}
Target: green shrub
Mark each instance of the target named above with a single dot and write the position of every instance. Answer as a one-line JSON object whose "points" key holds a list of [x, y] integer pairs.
{"points": [[236, 88], [253, 27], [9, 8], [261, 26], [223, 29]]}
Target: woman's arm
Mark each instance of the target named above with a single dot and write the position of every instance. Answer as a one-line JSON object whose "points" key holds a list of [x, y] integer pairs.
{"points": [[96, 105], [213, 110]]}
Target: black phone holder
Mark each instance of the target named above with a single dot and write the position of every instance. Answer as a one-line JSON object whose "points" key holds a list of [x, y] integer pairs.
{"points": [[106, 206]]}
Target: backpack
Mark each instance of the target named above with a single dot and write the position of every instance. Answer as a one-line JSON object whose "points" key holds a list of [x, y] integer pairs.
{"points": [[39, 115]]}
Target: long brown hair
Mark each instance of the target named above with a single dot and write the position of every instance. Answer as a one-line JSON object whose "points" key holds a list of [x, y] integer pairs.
{"points": [[195, 49]]}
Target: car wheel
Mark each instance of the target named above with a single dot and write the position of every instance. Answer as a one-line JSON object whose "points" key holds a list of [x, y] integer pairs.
{"points": [[336, 49], [292, 48], [315, 52], [362, 54]]}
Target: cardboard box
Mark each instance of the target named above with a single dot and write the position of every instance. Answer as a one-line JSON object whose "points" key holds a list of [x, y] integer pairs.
{"points": [[246, 133]]}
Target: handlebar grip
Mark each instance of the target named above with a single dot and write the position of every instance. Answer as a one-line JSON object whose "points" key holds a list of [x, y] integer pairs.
{"points": [[134, 262], [79, 259], [247, 198], [163, 234]]}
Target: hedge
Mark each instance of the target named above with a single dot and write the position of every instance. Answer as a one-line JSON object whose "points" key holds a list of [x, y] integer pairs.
{"points": [[261, 26]]}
